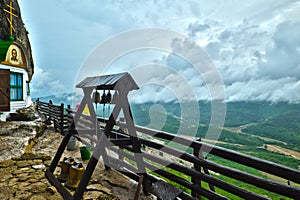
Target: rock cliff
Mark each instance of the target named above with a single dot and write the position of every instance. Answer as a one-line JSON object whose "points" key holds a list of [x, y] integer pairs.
{"points": [[21, 34]]}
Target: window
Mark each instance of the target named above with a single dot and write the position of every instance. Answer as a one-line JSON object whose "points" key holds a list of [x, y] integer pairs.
{"points": [[16, 86]]}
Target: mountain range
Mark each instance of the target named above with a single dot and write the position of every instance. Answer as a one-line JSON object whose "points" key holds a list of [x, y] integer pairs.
{"points": [[260, 122]]}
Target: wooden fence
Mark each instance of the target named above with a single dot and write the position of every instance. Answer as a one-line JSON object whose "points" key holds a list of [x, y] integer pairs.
{"points": [[54, 113], [171, 172], [203, 178]]}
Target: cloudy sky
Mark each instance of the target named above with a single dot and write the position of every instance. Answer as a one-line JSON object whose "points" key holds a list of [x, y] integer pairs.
{"points": [[254, 45]]}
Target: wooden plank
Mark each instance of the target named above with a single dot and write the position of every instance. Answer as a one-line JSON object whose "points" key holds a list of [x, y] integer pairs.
{"points": [[122, 165], [262, 165], [62, 190], [209, 179], [195, 179], [62, 118], [128, 170], [4, 90], [119, 142], [185, 183], [272, 186]]}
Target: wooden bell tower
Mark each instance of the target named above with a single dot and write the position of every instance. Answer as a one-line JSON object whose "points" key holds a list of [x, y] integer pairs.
{"points": [[99, 138]]}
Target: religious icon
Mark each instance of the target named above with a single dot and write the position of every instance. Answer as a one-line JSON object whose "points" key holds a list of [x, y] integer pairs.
{"points": [[14, 55]]}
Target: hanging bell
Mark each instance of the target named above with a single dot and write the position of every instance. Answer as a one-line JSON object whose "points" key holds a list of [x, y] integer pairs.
{"points": [[65, 169], [103, 98], [108, 97], [115, 98], [96, 97], [76, 172]]}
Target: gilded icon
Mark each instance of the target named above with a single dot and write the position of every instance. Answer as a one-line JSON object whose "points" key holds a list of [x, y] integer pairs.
{"points": [[14, 55]]}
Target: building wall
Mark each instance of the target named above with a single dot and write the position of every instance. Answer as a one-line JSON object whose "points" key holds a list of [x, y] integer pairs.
{"points": [[16, 60], [14, 105]]}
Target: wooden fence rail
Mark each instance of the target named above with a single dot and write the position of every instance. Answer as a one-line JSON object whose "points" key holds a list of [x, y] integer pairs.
{"points": [[191, 176]]}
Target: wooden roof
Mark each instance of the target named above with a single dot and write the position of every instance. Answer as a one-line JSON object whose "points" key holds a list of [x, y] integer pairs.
{"points": [[108, 82]]}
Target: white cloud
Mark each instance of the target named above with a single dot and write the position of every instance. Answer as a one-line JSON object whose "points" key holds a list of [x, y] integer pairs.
{"points": [[255, 45], [283, 89], [282, 56], [43, 84], [196, 27], [258, 61]]}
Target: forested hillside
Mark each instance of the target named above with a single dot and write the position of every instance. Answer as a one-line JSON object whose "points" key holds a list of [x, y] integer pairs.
{"points": [[251, 124], [258, 123]]}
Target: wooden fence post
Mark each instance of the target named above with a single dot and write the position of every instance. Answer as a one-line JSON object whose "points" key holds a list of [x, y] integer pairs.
{"points": [[62, 115], [37, 104], [69, 116], [69, 108], [51, 118], [197, 168]]}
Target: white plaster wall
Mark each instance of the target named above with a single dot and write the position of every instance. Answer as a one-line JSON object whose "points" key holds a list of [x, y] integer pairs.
{"points": [[14, 105]]}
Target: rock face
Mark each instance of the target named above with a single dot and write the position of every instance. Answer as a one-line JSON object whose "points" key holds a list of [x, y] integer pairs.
{"points": [[21, 34], [23, 114], [14, 137]]}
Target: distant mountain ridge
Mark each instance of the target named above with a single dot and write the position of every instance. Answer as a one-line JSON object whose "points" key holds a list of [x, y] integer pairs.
{"points": [[237, 113], [279, 121], [66, 98]]}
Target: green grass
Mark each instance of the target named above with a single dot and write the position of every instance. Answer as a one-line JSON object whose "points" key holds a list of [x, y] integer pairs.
{"points": [[264, 154], [272, 130]]}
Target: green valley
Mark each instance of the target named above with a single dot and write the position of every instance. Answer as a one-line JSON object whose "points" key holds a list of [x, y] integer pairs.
{"points": [[258, 129]]}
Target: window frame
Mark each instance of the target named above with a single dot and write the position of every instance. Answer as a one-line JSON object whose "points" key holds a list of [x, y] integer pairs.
{"points": [[17, 87]]}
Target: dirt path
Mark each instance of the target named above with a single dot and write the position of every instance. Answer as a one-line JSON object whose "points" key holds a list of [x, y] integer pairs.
{"points": [[284, 151], [272, 148], [238, 129]]}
